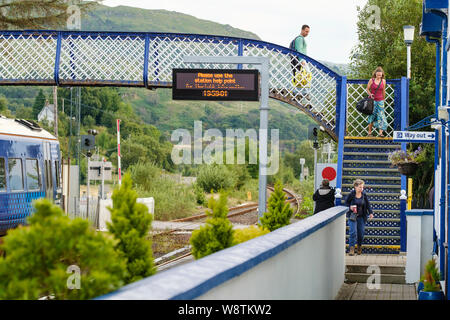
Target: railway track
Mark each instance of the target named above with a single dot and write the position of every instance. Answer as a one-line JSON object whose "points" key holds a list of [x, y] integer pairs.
{"points": [[233, 212]]}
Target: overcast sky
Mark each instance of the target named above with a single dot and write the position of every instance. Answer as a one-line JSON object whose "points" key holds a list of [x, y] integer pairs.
{"points": [[332, 22]]}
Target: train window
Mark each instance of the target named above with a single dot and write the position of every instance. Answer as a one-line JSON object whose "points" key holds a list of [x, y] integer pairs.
{"points": [[33, 182], [57, 174], [2, 175], [15, 174]]}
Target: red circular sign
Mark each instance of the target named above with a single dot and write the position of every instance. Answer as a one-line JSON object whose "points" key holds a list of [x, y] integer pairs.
{"points": [[329, 173]]}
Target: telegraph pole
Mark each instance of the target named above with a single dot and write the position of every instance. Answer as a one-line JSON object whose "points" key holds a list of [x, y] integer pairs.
{"points": [[55, 110]]}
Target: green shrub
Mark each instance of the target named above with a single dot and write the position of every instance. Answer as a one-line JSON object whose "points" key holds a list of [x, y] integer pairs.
{"points": [[279, 212], [285, 174], [217, 233], [143, 174], [172, 200], [431, 277], [306, 206], [241, 174], [199, 194], [245, 234], [130, 224], [38, 257], [215, 177]]}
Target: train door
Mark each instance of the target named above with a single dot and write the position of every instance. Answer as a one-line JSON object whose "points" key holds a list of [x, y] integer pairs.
{"points": [[48, 176], [56, 171]]}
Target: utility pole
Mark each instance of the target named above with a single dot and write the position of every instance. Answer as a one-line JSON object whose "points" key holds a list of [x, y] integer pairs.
{"points": [[55, 109]]}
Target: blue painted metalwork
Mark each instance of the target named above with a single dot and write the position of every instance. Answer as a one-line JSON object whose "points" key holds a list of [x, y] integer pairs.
{"points": [[146, 55], [341, 121], [139, 59], [438, 7], [240, 53], [442, 202], [444, 64], [403, 124], [57, 59], [431, 25]]}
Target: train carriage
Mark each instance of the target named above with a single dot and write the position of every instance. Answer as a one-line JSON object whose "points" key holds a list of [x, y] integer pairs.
{"points": [[30, 168]]}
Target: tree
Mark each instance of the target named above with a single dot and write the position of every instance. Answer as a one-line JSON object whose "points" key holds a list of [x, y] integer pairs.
{"points": [[39, 103], [130, 224], [3, 104], [38, 14], [279, 212], [43, 259], [386, 48], [217, 234]]}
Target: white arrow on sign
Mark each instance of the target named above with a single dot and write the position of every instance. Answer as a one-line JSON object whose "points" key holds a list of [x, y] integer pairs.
{"points": [[407, 136]]}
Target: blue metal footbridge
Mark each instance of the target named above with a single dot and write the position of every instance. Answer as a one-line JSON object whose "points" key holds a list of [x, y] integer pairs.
{"points": [[146, 60]]}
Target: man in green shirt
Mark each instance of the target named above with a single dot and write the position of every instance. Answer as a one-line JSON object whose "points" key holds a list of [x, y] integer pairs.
{"points": [[300, 42], [301, 47]]}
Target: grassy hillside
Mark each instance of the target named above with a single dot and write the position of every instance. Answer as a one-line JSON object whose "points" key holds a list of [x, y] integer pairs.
{"points": [[122, 18]]}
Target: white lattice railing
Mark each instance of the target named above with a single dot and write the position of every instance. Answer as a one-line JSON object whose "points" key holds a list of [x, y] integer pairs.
{"points": [[147, 59], [357, 122]]}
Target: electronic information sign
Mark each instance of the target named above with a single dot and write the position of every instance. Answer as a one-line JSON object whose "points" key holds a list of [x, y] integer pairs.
{"points": [[215, 84]]}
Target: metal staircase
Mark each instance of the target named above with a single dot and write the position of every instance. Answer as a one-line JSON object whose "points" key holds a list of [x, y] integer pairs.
{"points": [[367, 159]]}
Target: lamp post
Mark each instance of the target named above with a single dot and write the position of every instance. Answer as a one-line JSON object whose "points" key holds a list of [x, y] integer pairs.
{"points": [[408, 33]]}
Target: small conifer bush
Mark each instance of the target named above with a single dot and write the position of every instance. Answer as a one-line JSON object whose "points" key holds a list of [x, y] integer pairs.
{"points": [[279, 212], [130, 225], [58, 258], [217, 233], [245, 234]]}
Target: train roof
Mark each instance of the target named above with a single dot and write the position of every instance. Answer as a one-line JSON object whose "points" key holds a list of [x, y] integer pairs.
{"points": [[23, 128]]}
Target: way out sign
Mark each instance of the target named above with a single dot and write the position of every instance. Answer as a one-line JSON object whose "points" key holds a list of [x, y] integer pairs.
{"points": [[326, 171], [414, 136]]}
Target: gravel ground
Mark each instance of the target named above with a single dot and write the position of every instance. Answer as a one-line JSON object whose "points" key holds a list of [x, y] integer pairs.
{"points": [[164, 244]]}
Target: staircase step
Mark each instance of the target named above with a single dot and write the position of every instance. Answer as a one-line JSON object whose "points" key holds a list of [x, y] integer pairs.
{"points": [[374, 146], [379, 237], [368, 161], [372, 169], [385, 202], [385, 219], [384, 278], [384, 269], [374, 178], [376, 194], [365, 154], [348, 185]]}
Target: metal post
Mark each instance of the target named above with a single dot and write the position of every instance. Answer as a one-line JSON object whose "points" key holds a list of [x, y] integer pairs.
{"points": [[103, 179], [315, 168], [302, 162], [341, 112], [408, 61], [119, 155], [262, 64], [410, 185], [87, 190], [442, 203]]}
